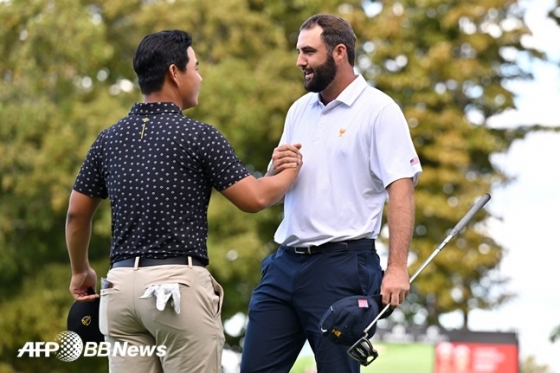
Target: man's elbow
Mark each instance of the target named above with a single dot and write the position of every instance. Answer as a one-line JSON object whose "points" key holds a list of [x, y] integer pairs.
{"points": [[81, 207], [248, 195], [76, 217], [70, 217]]}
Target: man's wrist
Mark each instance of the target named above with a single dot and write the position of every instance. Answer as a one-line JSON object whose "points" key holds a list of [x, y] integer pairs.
{"points": [[397, 266], [80, 269]]}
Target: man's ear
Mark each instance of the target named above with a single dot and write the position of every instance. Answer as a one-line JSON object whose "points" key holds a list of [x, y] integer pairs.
{"points": [[340, 53], [173, 74]]}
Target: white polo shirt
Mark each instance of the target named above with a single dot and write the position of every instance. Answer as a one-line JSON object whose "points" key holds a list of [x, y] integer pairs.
{"points": [[352, 149]]}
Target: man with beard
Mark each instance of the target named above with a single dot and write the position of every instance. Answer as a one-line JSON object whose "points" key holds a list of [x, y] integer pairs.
{"points": [[359, 154]]}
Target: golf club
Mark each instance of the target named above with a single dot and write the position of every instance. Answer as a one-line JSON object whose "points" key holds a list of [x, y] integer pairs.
{"points": [[362, 350]]}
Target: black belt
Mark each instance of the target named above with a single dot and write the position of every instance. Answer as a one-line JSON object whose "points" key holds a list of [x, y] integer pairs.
{"points": [[150, 262], [329, 247]]}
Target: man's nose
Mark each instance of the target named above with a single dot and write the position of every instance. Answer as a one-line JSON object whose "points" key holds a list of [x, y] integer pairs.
{"points": [[301, 62]]}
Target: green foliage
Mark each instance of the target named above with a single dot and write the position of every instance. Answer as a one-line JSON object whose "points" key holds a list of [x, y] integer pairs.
{"points": [[443, 62], [66, 73]]}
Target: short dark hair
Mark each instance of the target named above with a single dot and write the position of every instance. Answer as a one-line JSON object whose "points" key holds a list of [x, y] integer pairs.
{"points": [[335, 31], [155, 53]]}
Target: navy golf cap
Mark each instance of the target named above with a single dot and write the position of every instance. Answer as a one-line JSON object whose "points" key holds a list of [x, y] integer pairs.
{"points": [[346, 320], [83, 319]]}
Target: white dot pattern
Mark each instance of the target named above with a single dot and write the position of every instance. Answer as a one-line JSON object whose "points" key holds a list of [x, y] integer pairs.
{"points": [[158, 182]]}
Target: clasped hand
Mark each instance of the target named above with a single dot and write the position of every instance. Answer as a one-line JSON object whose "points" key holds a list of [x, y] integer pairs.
{"points": [[284, 157]]}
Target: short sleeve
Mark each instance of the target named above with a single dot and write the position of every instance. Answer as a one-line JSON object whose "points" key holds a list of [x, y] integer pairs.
{"points": [[393, 155], [222, 165], [90, 180]]}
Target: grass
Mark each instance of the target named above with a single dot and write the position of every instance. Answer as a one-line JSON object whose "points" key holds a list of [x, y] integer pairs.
{"points": [[393, 358]]}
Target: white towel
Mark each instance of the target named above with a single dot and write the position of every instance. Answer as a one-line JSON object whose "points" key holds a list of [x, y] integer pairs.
{"points": [[163, 293]]}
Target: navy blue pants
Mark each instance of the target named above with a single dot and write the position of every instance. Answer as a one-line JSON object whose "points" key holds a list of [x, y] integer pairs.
{"points": [[294, 292]]}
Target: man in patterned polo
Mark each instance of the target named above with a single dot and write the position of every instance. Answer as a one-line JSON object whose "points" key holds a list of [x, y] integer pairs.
{"points": [[158, 168]]}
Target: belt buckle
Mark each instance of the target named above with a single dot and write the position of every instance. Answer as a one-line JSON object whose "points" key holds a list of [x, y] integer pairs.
{"points": [[302, 250]]}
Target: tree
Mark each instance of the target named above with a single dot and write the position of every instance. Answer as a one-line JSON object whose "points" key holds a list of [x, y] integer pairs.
{"points": [[51, 51], [445, 62]]}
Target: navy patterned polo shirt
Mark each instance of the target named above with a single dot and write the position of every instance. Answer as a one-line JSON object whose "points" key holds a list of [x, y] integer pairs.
{"points": [[158, 168]]}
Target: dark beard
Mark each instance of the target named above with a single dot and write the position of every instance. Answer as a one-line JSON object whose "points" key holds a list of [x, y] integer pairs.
{"points": [[323, 75]]}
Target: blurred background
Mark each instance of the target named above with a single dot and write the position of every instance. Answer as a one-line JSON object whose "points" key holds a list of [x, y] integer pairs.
{"points": [[478, 81]]}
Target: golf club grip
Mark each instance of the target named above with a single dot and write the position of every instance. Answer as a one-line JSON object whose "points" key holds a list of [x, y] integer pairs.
{"points": [[469, 215]]}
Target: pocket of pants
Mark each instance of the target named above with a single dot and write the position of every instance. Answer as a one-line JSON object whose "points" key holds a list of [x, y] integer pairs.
{"points": [[369, 273], [219, 299], [266, 262], [106, 297]]}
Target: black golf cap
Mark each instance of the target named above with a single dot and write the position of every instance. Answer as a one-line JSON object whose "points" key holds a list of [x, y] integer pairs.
{"points": [[345, 321], [83, 319]]}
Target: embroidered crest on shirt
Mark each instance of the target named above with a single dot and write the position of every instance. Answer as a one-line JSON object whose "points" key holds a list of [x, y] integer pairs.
{"points": [[145, 120], [341, 132]]}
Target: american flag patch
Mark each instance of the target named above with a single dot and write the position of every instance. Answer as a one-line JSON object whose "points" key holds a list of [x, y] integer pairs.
{"points": [[362, 303], [414, 161]]}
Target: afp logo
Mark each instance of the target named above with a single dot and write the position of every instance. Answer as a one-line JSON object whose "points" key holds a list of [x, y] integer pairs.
{"points": [[67, 346]]}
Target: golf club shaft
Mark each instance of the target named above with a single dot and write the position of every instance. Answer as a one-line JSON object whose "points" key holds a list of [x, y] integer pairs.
{"points": [[460, 225]]}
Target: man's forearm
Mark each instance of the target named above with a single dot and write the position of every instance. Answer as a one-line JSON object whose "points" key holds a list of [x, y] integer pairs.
{"points": [[400, 218], [78, 234], [78, 229]]}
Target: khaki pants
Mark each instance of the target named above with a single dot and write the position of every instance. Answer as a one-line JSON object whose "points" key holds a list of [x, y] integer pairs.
{"points": [[193, 339]]}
